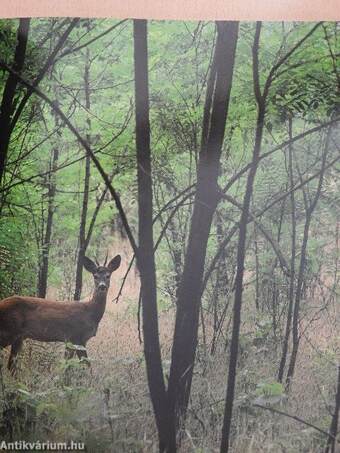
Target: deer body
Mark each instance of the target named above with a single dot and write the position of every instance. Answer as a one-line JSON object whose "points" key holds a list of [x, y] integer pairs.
{"points": [[51, 321]]}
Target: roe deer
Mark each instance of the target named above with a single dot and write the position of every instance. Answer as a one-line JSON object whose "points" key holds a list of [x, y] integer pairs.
{"points": [[49, 320]]}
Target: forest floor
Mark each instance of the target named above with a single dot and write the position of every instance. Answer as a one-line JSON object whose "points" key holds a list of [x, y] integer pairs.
{"points": [[107, 406]]}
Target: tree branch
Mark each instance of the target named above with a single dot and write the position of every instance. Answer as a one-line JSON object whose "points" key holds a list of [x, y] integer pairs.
{"points": [[85, 145]]}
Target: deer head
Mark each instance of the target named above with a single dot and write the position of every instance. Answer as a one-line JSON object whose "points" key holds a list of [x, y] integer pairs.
{"points": [[102, 274]]}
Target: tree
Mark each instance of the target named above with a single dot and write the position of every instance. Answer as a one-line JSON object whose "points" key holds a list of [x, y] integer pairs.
{"points": [[145, 254], [206, 199], [47, 235], [10, 92], [261, 97], [83, 216], [234, 344]]}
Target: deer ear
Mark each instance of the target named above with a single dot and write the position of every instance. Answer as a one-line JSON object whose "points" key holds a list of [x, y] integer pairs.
{"points": [[89, 265], [114, 263]]}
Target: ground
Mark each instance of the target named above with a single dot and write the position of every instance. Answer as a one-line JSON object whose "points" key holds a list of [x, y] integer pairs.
{"points": [[107, 406]]}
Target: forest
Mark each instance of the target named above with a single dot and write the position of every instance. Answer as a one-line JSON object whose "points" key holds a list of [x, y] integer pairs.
{"points": [[206, 155]]}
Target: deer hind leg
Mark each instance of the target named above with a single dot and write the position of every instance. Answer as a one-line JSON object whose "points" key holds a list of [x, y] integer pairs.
{"points": [[15, 349]]}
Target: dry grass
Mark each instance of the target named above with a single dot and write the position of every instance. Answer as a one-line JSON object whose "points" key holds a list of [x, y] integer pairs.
{"points": [[108, 407]]}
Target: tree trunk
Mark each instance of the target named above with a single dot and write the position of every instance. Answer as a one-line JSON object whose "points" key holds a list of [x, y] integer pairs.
{"points": [[82, 243], [43, 271], [333, 431], [302, 264], [221, 283], [261, 99], [8, 97], [145, 254], [257, 271], [206, 199], [292, 258]]}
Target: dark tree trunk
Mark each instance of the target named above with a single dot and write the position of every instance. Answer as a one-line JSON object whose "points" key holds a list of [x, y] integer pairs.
{"points": [[176, 252], [8, 97], [221, 282], [145, 255], [309, 207], [333, 431], [43, 270], [298, 297], [206, 199], [292, 259], [82, 243], [275, 296], [257, 271], [82, 230], [234, 344]]}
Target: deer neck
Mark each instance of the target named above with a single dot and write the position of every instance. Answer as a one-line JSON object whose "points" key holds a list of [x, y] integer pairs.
{"points": [[98, 304]]}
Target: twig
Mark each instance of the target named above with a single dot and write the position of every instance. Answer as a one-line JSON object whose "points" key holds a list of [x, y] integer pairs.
{"points": [[85, 145], [294, 417]]}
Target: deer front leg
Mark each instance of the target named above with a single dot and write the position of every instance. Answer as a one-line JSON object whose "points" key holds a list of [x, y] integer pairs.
{"points": [[69, 353], [15, 349], [82, 353]]}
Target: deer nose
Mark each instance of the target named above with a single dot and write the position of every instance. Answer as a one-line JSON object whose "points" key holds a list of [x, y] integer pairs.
{"points": [[102, 286]]}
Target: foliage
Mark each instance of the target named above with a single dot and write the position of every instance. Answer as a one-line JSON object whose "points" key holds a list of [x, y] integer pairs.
{"points": [[303, 94]]}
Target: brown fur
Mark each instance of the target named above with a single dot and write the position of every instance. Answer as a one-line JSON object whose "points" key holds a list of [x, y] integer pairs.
{"points": [[49, 320]]}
